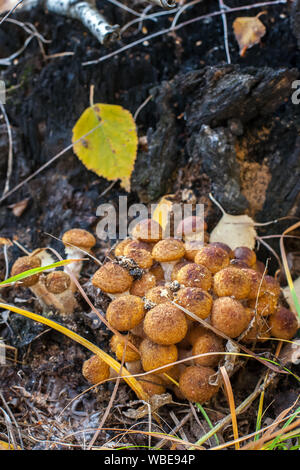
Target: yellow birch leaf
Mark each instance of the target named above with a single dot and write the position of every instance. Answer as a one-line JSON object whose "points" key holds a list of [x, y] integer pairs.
{"points": [[248, 31], [108, 142]]}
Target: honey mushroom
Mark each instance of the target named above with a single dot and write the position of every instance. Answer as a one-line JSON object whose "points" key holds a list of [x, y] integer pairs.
{"points": [[231, 281], [95, 370], [283, 323], [245, 254], [147, 230], [196, 300], [165, 324], [207, 342], [177, 268], [125, 312], [112, 279], [77, 241], [257, 283], [118, 344], [258, 329], [229, 316], [195, 275], [140, 286], [152, 384], [267, 303], [192, 229], [168, 252], [59, 284], [119, 248], [158, 295], [138, 252], [194, 384], [212, 257], [154, 356]]}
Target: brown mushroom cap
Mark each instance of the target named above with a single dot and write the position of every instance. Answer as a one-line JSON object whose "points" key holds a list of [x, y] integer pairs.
{"points": [[283, 323], [191, 227], [140, 255], [152, 384], [125, 312], [112, 278], [237, 263], [117, 345], [231, 281], [265, 305], [141, 286], [228, 315], [195, 275], [177, 268], [119, 249], [165, 324], [168, 250], [208, 342], [95, 370], [157, 271], [25, 263], [147, 230], [196, 300], [245, 254], [257, 283], [159, 294], [194, 332], [194, 384], [80, 238], [155, 355], [213, 257], [225, 247], [57, 282]]}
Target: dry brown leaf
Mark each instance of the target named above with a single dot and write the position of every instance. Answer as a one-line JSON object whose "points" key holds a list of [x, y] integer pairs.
{"points": [[156, 402], [248, 31], [19, 207], [6, 5]]}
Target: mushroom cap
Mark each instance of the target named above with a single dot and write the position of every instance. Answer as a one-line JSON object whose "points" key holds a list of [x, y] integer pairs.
{"points": [[140, 255], [168, 250], [245, 254], [165, 324], [117, 345], [57, 282], [213, 257], [225, 247], [25, 263], [237, 263], [272, 286], [141, 286], [119, 248], [112, 278], [265, 305], [283, 323], [80, 238], [194, 332], [125, 312], [155, 355], [208, 342], [259, 267], [229, 316], [177, 268], [95, 370], [190, 226], [191, 249], [194, 384], [195, 275], [159, 295], [257, 283], [152, 384], [196, 300], [231, 281], [147, 230]]}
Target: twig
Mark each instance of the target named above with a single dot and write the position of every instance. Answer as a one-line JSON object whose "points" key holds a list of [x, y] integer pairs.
{"points": [[10, 150], [142, 106], [10, 11], [223, 7]]}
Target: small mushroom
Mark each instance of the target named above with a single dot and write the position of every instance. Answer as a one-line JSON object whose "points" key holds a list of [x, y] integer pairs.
{"points": [[165, 324], [112, 279], [168, 252], [207, 342], [213, 257], [117, 345], [147, 230], [140, 286], [77, 241], [159, 294], [194, 384], [138, 253], [155, 355], [195, 275], [125, 312], [233, 282], [95, 370], [283, 323], [152, 384], [193, 231], [196, 300], [245, 254], [59, 284], [228, 315]]}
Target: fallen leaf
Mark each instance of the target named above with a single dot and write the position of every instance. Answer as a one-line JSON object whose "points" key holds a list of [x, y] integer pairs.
{"points": [[19, 207], [248, 31], [108, 144], [156, 401], [234, 230]]}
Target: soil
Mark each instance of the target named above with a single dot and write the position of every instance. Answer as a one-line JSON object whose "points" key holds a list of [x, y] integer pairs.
{"points": [[196, 95]]}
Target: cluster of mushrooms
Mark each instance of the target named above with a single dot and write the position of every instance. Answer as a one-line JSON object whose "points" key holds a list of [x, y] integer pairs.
{"points": [[173, 299]]}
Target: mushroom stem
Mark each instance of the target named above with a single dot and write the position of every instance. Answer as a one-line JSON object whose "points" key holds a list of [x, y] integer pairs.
{"points": [[168, 268]]}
